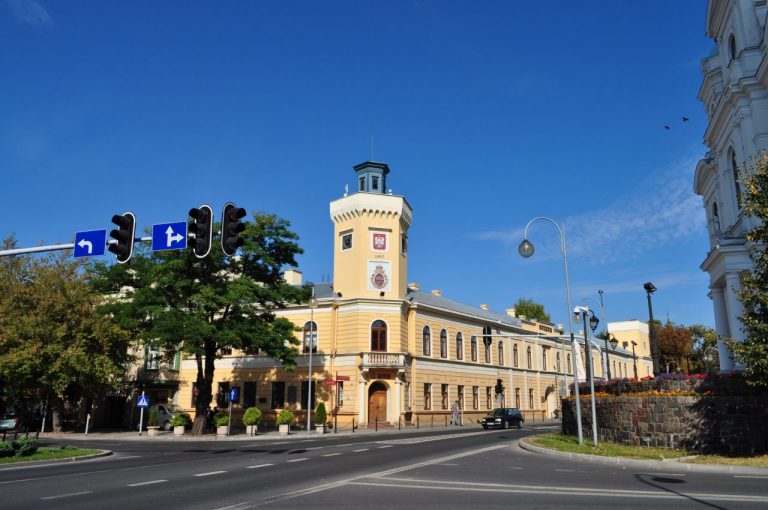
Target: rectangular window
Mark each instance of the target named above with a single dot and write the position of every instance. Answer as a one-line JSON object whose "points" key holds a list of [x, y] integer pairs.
{"points": [[427, 396], [488, 399], [444, 395], [340, 395], [460, 392], [292, 395], [362, 184], [249, 394], [403, 244], [517, 398], [151, 358], [305, 392], [530, 398], [278, 395], [374, 183], [544, 359], [346, 241], [475, 397], [221, 394]]}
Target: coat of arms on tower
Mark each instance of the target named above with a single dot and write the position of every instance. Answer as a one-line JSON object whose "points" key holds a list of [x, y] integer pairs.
{"points": [[380, 241], [379, 278]]}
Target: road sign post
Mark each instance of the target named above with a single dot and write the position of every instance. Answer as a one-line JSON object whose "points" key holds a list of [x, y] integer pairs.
{"points": [[232, 396], [142, 404]]}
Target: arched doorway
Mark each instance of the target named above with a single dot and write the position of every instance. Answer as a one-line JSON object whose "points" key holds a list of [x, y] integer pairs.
{"points": [[550, 397], [377, 403]]}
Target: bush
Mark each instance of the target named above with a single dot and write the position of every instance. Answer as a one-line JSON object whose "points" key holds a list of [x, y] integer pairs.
{"points": [[6, 449], [252, 416], [25, 446], [153, 418], [284, 417], [221, 420], [320, 415], [181, 420]]}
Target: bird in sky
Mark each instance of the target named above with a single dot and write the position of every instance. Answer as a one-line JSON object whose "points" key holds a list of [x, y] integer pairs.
{"points": [[667, 127], [686, 119]]}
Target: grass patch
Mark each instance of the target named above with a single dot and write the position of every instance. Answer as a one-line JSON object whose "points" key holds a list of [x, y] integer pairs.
{"points": [[50, 454], [571, 444], [760, 461]]}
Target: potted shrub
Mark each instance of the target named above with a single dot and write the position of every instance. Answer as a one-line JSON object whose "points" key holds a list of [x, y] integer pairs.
{"points": [[179, 422], [320, 417], [251, 420], [152, 423], [222, 424], [284, 420]]}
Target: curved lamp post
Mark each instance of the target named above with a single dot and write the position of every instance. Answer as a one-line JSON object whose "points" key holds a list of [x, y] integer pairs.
{"points": [[650, 289], [606, 370], [634, 359], [614, 343], [526, 250], [312, 306]]}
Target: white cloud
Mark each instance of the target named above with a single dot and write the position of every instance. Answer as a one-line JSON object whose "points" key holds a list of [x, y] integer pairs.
{"points": [[29, 12]]}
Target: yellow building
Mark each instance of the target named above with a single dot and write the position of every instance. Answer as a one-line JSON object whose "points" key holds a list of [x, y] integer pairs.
{"points": [[386, 352]]}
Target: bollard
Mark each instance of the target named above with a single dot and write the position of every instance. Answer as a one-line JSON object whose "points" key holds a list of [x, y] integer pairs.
{"points": [[376, 422], [417, 422], [399, 418], [335, 423], [353, 424]]}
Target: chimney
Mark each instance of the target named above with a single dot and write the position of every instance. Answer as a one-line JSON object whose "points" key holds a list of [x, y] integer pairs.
{"points": [[484, 307], [511, 312], [413, 286], [437, 292], [292, 277]]}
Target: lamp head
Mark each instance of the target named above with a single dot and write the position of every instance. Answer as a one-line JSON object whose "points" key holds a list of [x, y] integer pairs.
{"points": [[593, 322], [525, 249], [649, 287], [313, 302], [614, 341]]}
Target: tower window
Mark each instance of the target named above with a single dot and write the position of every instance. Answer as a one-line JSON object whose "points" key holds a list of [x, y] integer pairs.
{"points": [[379, 336], [732, 47], [346, 241], [374, 183], [362, 184]]}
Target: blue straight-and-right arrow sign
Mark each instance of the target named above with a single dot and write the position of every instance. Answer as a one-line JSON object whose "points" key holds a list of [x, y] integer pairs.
{"points": [[90, 243], [169, 236]]}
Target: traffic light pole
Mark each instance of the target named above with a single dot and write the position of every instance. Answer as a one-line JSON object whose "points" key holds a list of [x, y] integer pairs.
{"points": [[59, 247]]}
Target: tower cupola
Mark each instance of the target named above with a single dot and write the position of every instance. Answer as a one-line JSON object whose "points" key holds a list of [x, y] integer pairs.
{"points": [[372, 177]]}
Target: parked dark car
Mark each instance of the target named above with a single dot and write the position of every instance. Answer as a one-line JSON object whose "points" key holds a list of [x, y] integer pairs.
{"points": [[503, 417]]}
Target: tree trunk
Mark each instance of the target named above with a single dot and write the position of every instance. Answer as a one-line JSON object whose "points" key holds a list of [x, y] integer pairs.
{"points": [[58, 408], [205, 369]]}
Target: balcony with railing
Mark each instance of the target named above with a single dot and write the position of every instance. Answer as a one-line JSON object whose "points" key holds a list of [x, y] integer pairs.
{"points": [[383, 360]]}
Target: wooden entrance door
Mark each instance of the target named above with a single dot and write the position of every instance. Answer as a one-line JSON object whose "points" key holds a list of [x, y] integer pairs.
{"points": [[377, 403]]}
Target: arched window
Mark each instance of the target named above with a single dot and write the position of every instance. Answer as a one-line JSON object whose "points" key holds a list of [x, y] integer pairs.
{"points": [[459, 346], [715, 218], [427, 342], [543, 359], [530, 359], [557, 361], [443, 344], [487, 340], [732, 47], [736, 184], [515, 356], [569, 366], [379, 336], [473, 347], [501, 353], [309, 337]]}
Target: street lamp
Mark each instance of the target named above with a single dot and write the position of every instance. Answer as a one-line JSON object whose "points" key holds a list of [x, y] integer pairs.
{"points": [[589, 318], [634, 358], [312, 306], [673, 363], [650, 289], [526, 250], [710, 354], [606, 371], [614, 343]]}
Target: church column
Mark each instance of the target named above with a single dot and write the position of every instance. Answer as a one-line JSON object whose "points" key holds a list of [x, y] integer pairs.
{"points": [[721, 328], [735, 310], [398, 398]]}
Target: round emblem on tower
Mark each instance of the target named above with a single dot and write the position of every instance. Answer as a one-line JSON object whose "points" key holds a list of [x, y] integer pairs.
{"points": [[379, 278]]}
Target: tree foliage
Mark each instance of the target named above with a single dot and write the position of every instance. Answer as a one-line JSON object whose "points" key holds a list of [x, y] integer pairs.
{"points": [[531, 310], [54, 344], [754, 294], [675, 345], [173, 300], [704, 342]]}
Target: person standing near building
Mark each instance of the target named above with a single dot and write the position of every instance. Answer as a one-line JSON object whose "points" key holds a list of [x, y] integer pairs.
{"points": [[455, 413]]}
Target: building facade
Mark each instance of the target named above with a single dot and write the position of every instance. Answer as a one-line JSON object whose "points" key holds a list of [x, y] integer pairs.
{"points": [[735, 96], [383, 351]]}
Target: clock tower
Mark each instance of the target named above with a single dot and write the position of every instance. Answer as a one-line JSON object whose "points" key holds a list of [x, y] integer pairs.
{"points": [[370, 251]]}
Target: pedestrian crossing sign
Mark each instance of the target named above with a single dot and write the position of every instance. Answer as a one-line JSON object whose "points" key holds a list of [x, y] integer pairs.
{"points": [[143, 401]]}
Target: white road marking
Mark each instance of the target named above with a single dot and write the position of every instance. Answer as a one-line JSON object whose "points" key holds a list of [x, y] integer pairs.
{"points": [[446, 464], [67, 495], [121, 457], [565, 470], [298, 460], [360, 450], [346, 444], [331, 454], [426, 439], [258, 466], [515, 467], [210, 473], [751, 476], [145, 483], [386, 446], [662, 474]]}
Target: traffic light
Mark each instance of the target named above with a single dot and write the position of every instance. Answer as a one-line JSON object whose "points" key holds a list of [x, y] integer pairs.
{"points": [[231, 228], [126, 228], [499, 387], [202, 228]]}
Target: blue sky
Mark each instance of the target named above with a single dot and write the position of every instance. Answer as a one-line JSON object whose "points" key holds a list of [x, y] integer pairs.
{"points": [[488, 113]]}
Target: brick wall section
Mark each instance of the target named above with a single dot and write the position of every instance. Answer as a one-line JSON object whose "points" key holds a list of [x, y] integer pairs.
{"points": [[731, 425]]}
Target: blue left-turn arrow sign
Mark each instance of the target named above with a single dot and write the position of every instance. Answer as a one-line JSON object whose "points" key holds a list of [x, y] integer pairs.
{"points": [[169, 236], [90, 243]]}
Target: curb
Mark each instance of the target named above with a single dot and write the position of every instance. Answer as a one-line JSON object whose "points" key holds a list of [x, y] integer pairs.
{"points": [[50, 462], [655, 464]]}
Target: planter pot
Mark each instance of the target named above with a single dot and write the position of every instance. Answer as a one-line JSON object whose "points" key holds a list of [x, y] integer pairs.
{"points": [[178, 430], [284, 429], [221, 431], [320, 429], [251, 429], [152, 431]]}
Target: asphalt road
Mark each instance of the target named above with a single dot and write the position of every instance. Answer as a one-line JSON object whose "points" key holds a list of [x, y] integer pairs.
{"points": [[446, 469]]}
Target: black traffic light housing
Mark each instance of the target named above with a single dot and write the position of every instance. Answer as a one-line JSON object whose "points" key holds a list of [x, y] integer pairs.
{"points": [[124, 233], [499, 387], [202, 228], [231, 228]]}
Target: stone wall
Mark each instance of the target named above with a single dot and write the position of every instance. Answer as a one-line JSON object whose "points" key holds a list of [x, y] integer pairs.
{"points": [[711, 424]]}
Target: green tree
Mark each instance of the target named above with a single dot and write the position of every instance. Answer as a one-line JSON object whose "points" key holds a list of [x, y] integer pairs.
{"points": [[54, 344], [531, 310], [675, 345], [704, 338], [173, 300], [754, 294]]}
